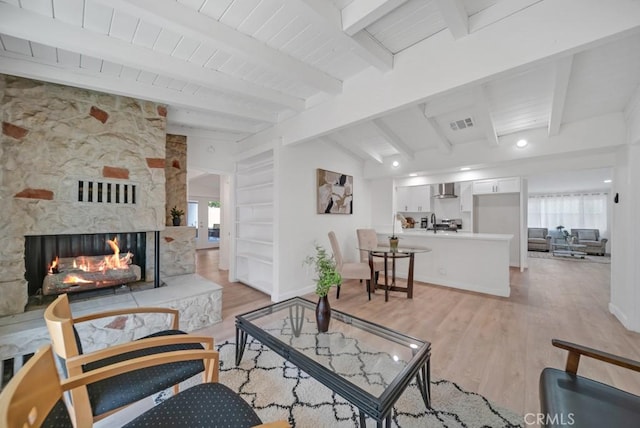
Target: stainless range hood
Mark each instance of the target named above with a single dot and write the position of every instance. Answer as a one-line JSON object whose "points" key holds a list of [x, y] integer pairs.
{"points": [[445, 190]]}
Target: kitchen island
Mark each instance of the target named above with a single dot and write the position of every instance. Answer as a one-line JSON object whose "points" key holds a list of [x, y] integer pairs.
{"points": [[469, 261]]}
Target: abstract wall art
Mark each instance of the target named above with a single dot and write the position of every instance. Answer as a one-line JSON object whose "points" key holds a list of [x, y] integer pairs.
{"points": [[335, 192]]}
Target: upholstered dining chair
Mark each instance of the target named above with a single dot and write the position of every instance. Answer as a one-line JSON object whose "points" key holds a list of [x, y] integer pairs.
{"points": [[34, 396], [349, 270], [97, 400], [368, 239]]}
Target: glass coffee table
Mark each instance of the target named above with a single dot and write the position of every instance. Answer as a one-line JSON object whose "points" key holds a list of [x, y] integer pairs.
{"points": [[567, 249], [365, 363]]}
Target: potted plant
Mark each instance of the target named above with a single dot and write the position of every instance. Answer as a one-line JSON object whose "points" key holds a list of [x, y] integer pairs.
{"points": [[176, 214], [328, 276], [393, 239], [565, 234]]}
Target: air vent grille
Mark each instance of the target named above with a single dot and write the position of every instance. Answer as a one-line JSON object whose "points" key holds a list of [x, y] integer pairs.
{"points": [[457, 125]]}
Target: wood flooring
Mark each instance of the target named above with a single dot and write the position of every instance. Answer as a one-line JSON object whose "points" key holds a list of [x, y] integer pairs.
{"points": [[494, 346]]}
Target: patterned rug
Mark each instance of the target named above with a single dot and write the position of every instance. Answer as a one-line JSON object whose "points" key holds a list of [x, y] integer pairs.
{"points": [[277, 390], [587, 259]]}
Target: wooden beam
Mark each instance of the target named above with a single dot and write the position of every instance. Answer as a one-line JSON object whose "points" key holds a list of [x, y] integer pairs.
{"points": [[501, 49], [362, 152], [188, 22], [19, 65], [559, 94], [444, 145], [344, 148], [455, 16], [323, 13], [27, 25], [359, 14], [484, 115], [198, 119], [393, 139]]}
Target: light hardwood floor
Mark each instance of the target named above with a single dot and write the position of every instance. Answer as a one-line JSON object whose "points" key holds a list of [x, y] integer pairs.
{"points": [[490, 345]]}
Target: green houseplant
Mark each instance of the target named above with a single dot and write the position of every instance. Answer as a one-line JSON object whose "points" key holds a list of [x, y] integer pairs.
{"points": [[176, 214], [327, 276]]}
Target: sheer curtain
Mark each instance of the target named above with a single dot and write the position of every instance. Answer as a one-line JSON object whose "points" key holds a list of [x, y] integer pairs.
{"points": [[571, 210]]}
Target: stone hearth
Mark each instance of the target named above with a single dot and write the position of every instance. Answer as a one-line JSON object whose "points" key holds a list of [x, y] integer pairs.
{"points": [[198, 300]]}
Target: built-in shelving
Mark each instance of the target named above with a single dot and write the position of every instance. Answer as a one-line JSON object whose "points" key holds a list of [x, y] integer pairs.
{"points": [[254, 221]]}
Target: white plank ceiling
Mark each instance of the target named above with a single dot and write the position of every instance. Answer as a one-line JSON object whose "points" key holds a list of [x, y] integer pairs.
{"points": [[240, 67]]}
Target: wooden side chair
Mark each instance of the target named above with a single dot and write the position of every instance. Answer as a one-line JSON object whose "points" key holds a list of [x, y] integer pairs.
{"points": [[568, 399], [33, 398], [98, 400], [368, 240], [349, 270]]}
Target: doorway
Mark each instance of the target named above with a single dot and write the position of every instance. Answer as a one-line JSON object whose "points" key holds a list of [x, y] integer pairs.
{"points": [[204, 215]]}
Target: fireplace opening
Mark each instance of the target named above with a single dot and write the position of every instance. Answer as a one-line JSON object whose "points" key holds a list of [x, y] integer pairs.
{"points": [[56, 264]]}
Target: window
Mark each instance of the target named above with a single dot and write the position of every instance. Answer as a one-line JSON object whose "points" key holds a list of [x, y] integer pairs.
{"points": [[571, 210]]}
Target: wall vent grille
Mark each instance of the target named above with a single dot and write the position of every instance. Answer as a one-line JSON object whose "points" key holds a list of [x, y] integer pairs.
{"points": [[105, 192], [458, 125]]}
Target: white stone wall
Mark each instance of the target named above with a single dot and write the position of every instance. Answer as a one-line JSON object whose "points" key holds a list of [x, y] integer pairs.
{"points": [[53, 136]]}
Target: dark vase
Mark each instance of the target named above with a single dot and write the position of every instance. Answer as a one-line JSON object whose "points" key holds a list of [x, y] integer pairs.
{"points": [[176, 221], [323, 314]]}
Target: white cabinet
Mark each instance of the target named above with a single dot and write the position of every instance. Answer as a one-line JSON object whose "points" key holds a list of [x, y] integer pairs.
{"points": [[466, 197], [413, 198], [254, 222], [499, 185]]}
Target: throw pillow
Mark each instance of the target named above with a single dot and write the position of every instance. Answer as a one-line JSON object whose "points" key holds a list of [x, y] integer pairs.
{"points": [[536, 233]]}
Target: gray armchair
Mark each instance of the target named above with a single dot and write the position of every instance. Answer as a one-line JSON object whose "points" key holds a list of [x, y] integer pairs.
{"points": [[538, 239], [590, 238]]}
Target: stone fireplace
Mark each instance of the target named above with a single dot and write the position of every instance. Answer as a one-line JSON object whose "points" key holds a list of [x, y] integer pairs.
{"points": [[74, 161]]}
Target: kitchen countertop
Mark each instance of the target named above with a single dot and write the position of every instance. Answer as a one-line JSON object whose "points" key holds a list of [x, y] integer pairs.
{"points": [[445, 234]]}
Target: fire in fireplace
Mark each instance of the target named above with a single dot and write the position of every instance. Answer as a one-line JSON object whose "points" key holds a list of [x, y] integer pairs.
{"points": [[57, 264], [89, 272]]}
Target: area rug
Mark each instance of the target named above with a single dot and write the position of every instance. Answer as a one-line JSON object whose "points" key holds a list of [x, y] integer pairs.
{"points": [[278, 390], [587, 259]]}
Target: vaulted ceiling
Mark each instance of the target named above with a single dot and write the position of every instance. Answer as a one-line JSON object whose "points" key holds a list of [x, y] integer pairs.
{"points": [[380, 79]]}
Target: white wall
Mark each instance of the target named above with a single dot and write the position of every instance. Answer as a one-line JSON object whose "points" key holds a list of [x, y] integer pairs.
{"points": [[299, 225], [499, 213], [625, 243]]}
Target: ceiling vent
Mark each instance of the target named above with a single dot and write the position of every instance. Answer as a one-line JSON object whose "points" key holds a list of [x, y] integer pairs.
{"points": [[457, 125]]}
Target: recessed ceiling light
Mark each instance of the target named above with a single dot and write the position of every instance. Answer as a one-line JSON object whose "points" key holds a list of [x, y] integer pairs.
{"points": [[413, 174], [395, 164], [465, 168], [522, 143], [607, 181]]}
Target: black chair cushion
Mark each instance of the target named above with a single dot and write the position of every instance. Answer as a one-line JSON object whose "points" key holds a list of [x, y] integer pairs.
{"points": [[124, 389], [58, 417], [204, 405], [570, 400]]}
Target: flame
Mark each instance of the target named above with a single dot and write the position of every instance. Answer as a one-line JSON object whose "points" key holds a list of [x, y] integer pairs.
{"points": [[87, 264], [53, 267]]}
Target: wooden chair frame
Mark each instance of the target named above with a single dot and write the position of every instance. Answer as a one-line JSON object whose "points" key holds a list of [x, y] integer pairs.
{"points": [[60, 324], [36, 388]]}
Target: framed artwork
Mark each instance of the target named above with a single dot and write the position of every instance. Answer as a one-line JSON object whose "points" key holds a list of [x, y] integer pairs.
{"points": [[335, 192]]}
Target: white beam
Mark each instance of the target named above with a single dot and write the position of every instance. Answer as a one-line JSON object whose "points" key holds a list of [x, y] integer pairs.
{"points": [[178, 129], [324, 14], [498, 11], [455, 16], [360, 13], [393, 139], [443, 144], [186, 21], [48, 31], [346, 149], [484, 115], [561, 84], [363, 152], [198, 119], [17, 65], [439, 64]]}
